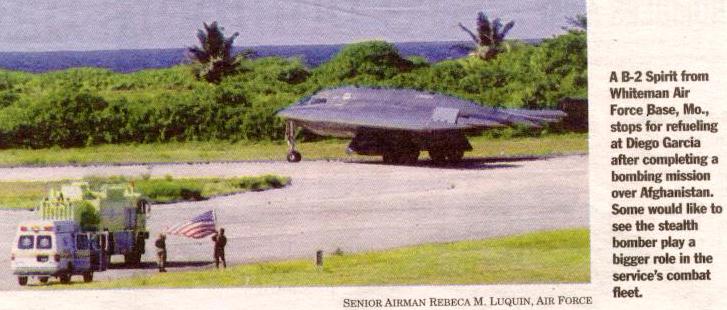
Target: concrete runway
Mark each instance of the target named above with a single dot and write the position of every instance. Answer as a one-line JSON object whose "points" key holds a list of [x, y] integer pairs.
{"points": [[351, 206]]}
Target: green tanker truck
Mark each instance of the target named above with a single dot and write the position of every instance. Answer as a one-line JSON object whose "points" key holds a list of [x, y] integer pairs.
{"points": [[115, 213]]}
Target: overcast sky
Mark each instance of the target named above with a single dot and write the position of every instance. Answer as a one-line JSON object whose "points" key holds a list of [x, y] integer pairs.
{"points": [[47, 25]]}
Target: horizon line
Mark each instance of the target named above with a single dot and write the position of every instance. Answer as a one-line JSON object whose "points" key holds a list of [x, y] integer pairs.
{"points": [[238, 46]]}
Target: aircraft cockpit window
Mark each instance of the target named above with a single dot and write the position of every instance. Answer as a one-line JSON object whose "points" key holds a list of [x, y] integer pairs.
{"points": [[315, 100]]}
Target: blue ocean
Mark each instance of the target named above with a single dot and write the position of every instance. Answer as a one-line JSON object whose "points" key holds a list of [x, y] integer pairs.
{"points": [[139, 59]]}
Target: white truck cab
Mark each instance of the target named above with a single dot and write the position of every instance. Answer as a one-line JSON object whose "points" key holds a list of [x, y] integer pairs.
{"points": [[48, 248]]}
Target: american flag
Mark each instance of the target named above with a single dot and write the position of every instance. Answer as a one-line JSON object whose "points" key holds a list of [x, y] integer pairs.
{"points": [[200, 226]]}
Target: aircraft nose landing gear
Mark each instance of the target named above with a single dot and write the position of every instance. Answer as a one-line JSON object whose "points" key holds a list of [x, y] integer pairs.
{"points": [[293, 155]]}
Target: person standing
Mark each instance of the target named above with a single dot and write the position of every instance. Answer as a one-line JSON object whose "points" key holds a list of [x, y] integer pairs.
{"points": [[161, 246], [220, 242]]}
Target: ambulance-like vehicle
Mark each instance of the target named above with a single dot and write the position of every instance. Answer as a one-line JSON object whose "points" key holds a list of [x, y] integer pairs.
{"points": [[47, 248]]}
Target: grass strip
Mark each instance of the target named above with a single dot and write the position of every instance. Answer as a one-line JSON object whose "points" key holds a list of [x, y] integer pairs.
{"points": [[26, 195], [223, 151], [558, 256]]}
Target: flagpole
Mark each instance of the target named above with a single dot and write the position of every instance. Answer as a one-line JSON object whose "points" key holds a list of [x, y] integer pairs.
{"points": [[214, 217], [214, 220]]}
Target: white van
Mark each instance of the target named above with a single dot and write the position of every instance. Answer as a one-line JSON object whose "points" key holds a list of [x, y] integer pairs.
{"points": [[46, 248]]}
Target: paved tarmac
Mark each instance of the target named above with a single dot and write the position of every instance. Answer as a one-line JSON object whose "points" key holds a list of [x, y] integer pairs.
{"points": [[352, 206]]}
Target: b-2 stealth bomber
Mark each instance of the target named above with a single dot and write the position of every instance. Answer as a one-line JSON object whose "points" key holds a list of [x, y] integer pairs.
{"points": [[400, 123]]}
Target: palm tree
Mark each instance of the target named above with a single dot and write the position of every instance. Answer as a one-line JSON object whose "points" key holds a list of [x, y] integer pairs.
{"points": [[577, 23], [490, 36], [213, 57]]}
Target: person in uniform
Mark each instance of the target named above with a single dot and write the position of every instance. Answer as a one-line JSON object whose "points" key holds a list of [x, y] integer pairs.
{"points": [[161, 246], [220, 241]]}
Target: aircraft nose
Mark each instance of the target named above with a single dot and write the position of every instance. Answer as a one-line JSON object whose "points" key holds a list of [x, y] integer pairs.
{"points": [[282, 112]]}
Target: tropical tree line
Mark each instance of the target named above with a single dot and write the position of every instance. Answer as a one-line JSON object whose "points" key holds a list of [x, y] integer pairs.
{"points": [[88, 106], [213, 57]]}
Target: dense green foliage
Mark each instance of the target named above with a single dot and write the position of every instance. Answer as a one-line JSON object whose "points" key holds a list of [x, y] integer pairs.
{"points": [[86, 106], [170, 190], [27, 195], [360, 63], [90, 218]]}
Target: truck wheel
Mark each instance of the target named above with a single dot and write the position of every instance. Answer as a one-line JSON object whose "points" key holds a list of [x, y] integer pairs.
{"points": [[43, 280], [88, 276], [65, 278], [132, 259], [23, 281]]}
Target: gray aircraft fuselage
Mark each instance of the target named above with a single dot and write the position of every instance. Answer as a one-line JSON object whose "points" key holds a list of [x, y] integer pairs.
{"points": [[399, 123]]}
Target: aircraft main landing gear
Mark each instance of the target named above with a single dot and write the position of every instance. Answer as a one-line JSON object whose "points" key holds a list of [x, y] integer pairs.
{"points": [[293, 155], [443, 157]]}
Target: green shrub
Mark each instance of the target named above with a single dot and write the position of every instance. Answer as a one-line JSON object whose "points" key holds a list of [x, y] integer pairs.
{"points": [[366, 61], [165, 190], [89, 217], [275, 181]]}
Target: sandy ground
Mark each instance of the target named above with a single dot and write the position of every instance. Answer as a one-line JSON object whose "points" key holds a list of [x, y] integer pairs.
{"points": [[351, 206]]}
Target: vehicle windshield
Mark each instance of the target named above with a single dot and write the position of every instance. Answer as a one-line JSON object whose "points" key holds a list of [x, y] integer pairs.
{"points": [[26, 242]]}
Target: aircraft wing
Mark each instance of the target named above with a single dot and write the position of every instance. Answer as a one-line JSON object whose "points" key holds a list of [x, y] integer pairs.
{"points": [[406, 109], [371, 117]]}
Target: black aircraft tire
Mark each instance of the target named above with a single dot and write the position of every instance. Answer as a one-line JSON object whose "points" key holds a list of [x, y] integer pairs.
{"points": [[23, 281], [388, 158], [393, 158], [438, 156], [409, 157], [43, 280], [455, 156], [294, 156]]}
